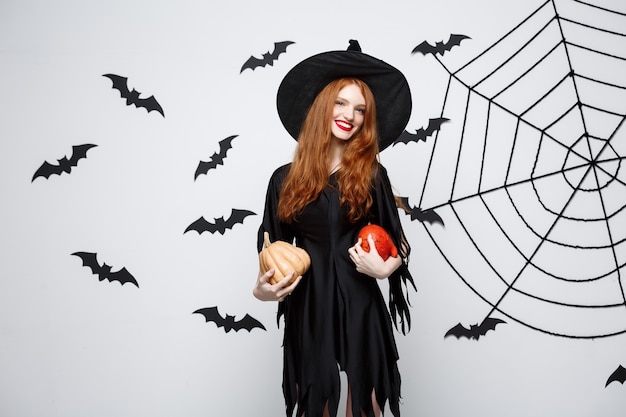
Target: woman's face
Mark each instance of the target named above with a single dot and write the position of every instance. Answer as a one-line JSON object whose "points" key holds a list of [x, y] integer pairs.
{"points": [[348, 112]]}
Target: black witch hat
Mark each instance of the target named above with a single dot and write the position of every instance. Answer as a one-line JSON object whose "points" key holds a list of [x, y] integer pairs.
{"points": [[305, 81]]}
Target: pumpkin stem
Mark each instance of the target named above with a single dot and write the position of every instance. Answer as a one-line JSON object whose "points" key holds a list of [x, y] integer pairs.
{"points": [[266, 239]]}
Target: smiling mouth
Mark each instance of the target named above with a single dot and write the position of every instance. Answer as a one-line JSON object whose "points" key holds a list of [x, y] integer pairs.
{"points": [[345, 126]]}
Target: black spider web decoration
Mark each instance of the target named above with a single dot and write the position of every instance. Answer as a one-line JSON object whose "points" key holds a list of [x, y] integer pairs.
{"points": [[534, 205]]}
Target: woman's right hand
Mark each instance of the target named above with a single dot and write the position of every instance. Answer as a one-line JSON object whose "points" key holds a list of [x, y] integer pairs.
{"points": [[265, 291]]}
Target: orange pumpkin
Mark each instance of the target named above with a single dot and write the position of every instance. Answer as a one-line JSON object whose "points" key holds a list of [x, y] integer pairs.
{"points": [[382, 240], [284, 258]]}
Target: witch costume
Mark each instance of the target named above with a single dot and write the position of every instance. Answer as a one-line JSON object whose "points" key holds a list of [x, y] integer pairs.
{"points": [[336, 319]]}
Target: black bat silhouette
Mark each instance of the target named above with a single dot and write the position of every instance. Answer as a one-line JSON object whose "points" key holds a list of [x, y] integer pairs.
{"points": [[618, 375], [220, 225], [440, 47], [268, 58], [421, 134], [475, 331], [216, 158], [104, 271], [132, 97], [228, 322], [429, 215], [65, 164]]}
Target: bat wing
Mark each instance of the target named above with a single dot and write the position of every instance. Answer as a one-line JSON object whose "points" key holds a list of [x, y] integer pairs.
{"points": [[403, 203], [90, 260], [429, 216], [104, 271], [122, 276], [279, 48], [202, 225], [248, 323], [216, 158], [422, 134], [252, 63], [211, 314], [405, 137], [433, 126], [618, 375], [65, 165], [203, 168], [132, 96], [120, 84], [225, 145], [237, 216], [79, 152], [424, 48], [488, 323], [459, 331], [150, 104], [455, 40], [46, 169], [268, 58], [475, 331]]}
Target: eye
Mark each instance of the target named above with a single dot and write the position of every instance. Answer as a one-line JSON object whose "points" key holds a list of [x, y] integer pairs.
{"points": [[339, 103], [361, 110]]}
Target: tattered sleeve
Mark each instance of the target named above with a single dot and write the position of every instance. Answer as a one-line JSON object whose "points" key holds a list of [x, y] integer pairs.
{"points": [[277, 230], [386, 213]]}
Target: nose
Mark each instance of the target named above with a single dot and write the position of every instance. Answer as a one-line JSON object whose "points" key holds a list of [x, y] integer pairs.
{"points": [[348, 113]]}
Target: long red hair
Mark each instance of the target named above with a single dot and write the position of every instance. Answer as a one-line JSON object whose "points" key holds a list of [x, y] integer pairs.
{"points": [[309, 175]]}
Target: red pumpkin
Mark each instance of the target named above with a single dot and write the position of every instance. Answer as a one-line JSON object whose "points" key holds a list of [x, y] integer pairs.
{"points": [[382, 240]]}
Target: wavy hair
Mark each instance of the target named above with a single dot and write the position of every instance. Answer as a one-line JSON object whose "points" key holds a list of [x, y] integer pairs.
{"points": [[308, 174]]}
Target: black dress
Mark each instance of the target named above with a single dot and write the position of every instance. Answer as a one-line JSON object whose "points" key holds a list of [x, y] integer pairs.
{"points": [[336, 318]]}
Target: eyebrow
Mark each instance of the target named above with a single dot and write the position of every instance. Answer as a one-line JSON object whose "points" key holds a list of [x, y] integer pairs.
{"points": [[345, 99]]}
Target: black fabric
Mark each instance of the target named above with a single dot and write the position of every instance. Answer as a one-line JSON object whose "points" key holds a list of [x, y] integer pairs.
{"points": [[336, 319], [304, 82]]}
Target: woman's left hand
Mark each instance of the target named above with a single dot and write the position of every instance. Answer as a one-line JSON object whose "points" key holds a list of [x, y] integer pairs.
{"points": [[371, 263]]}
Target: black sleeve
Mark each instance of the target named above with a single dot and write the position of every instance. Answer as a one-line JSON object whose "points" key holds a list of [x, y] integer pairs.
{"points": [[386, 215], [277, 230]]}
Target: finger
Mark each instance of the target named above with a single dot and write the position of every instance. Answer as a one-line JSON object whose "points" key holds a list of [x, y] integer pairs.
{"points": [[283, 282], [294, 284], [263, 278], [372, 242], [288, 290]]}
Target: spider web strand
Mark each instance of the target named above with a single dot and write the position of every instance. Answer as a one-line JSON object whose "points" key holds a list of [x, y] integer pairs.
{"points": [[600, 7], [509, 33]]}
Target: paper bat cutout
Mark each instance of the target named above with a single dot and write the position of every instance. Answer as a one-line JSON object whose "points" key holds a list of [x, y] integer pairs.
{"points": [[475, 331], [228, 322], [132, 97], [268, 58], [429, 215], [220, 225], [421, 134], [104, 271], [618, 375], [440, 47], [216, 158], [65, 164]]}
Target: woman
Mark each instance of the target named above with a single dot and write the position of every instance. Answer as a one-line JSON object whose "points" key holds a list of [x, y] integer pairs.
{"points": [[335, 104]]}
